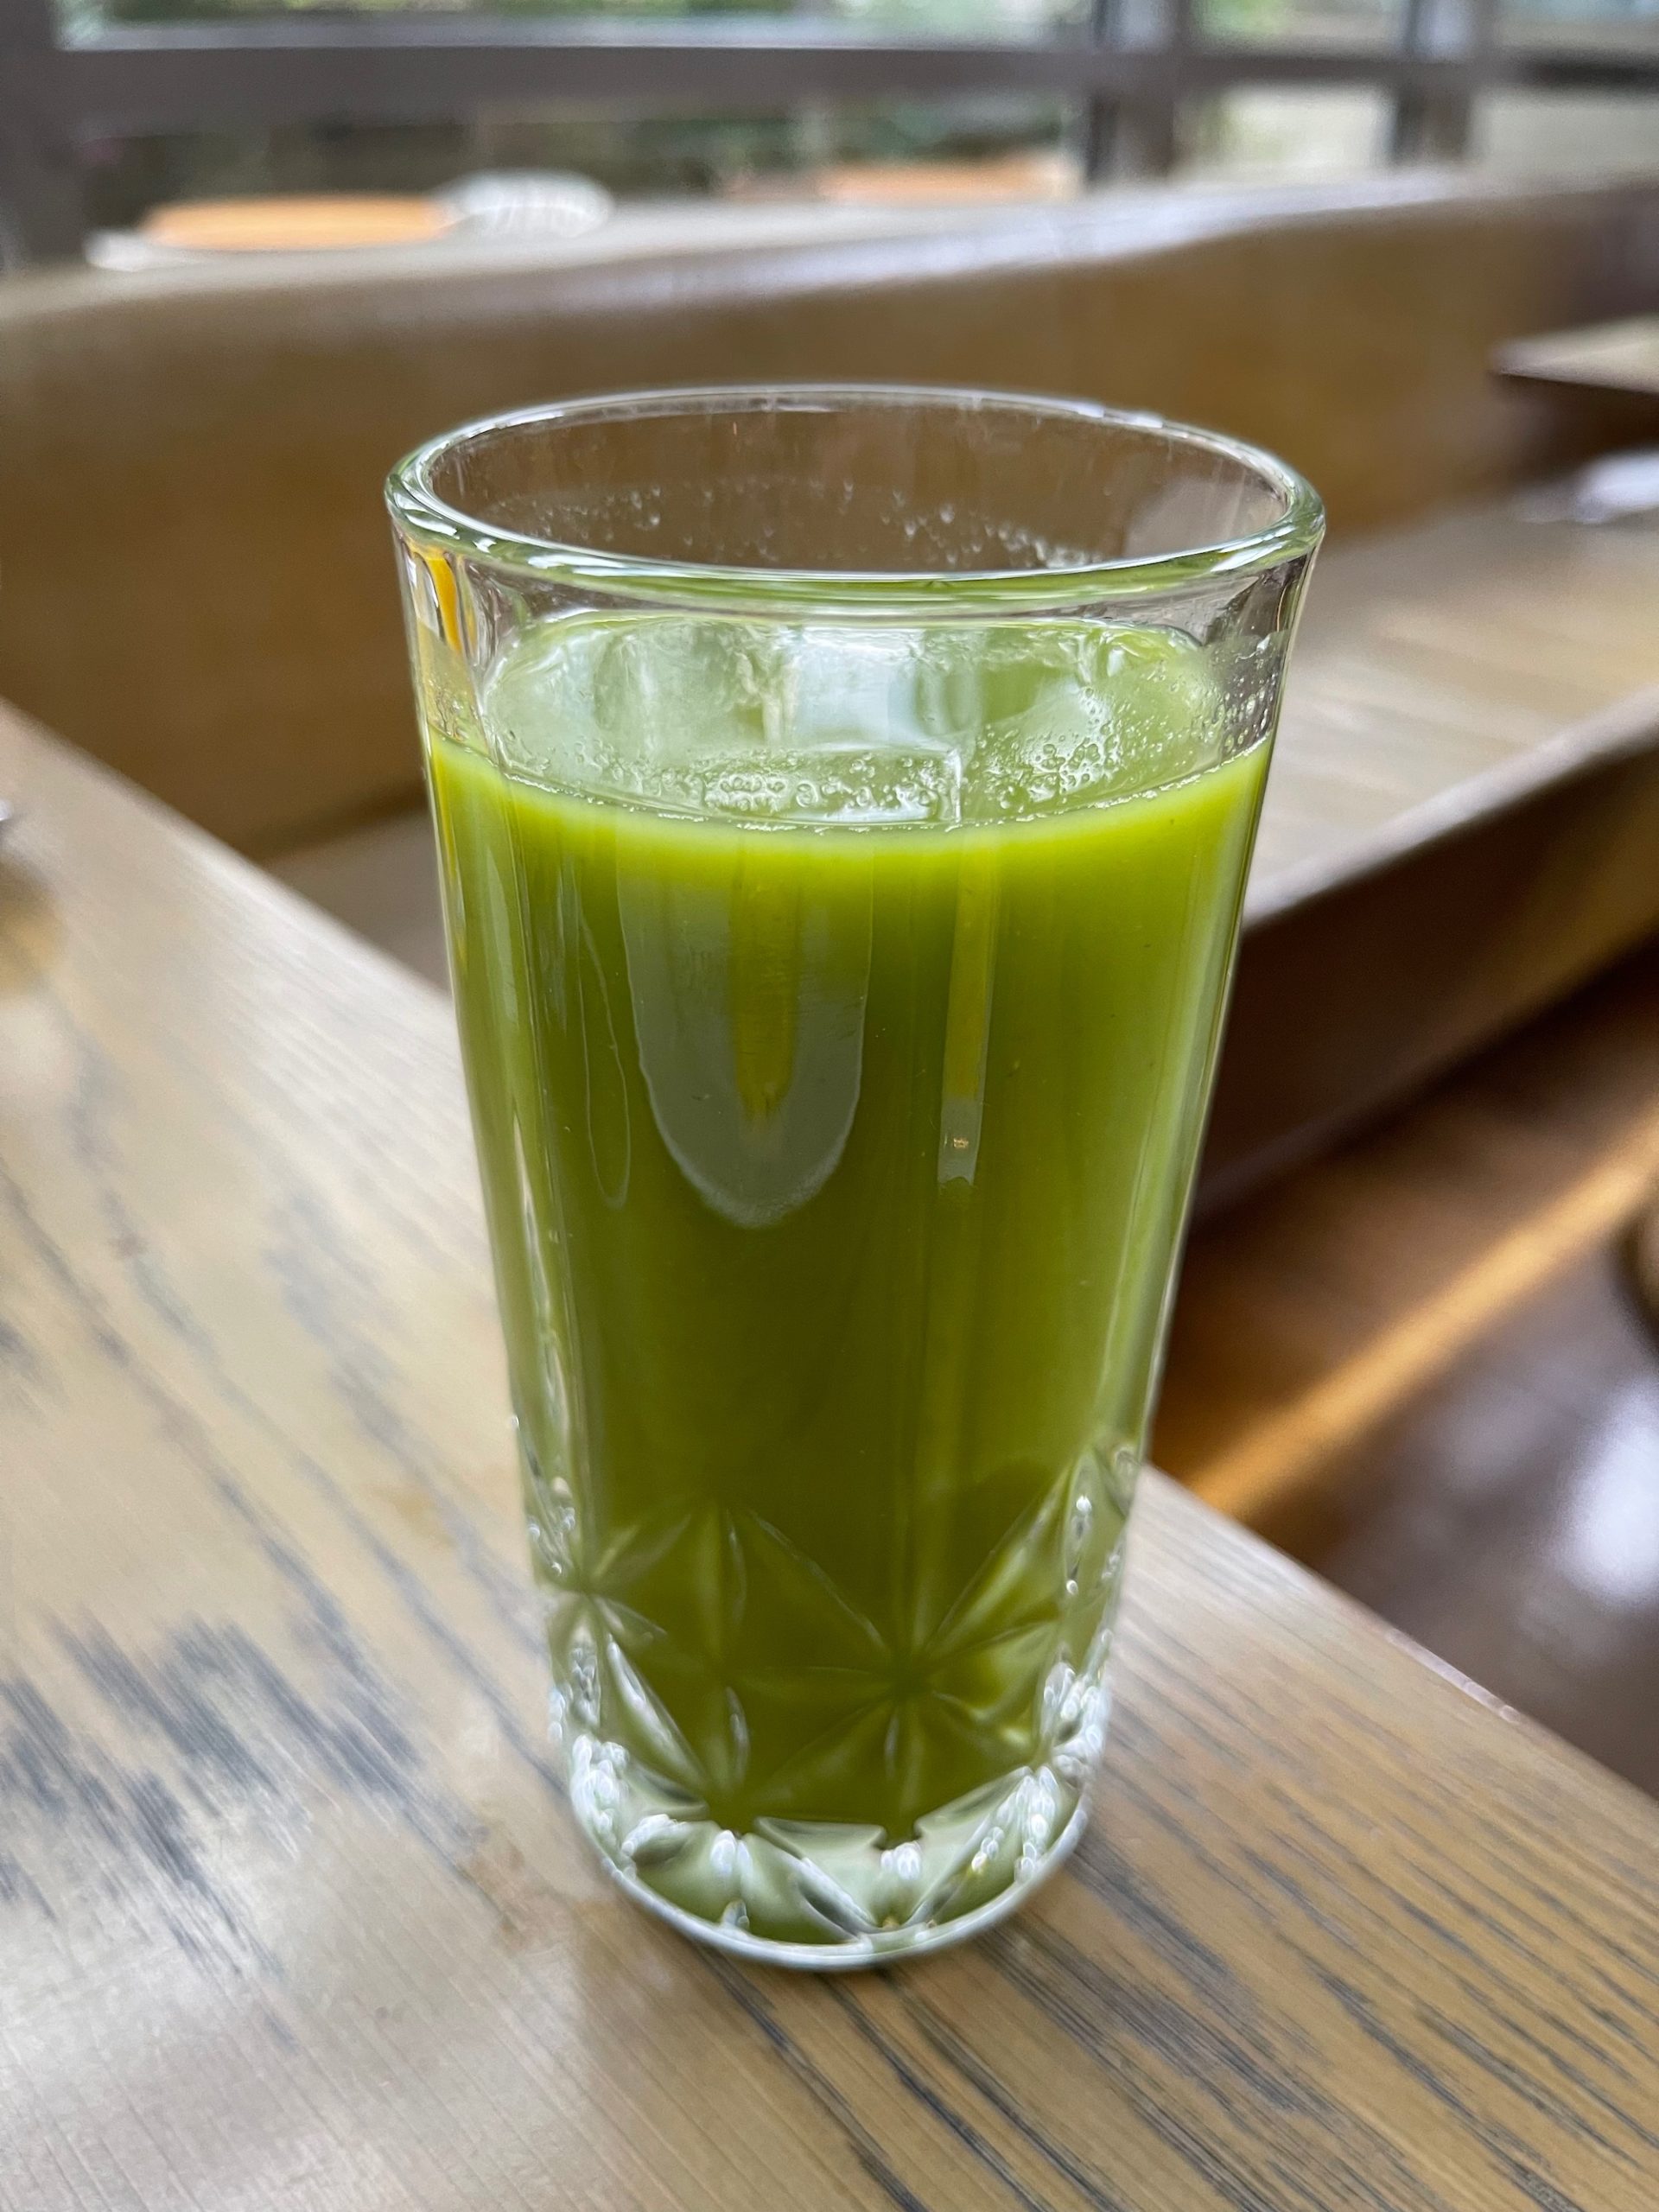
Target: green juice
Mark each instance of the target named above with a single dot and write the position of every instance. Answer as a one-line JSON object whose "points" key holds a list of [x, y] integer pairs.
{"points": [[838, 1025]]}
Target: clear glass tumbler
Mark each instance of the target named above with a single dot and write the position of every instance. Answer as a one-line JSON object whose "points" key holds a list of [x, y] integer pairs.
{"points": [[845, 798]]}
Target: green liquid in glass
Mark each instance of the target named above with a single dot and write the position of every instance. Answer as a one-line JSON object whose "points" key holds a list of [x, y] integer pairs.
{"points": [[837, 1081]]}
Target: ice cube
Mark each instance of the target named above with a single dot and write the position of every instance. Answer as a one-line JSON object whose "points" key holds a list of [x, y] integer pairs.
{"points": [[1161, 703], [753, 722], [624, 706], [847, 784], [1069, 713], [976, 681], [825, 722], [847, 684], [677, 686]]}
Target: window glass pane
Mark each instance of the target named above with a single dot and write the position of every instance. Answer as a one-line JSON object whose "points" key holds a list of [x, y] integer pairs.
{"points": [[1540, 133], [1617, 25], [952, 18], [124, 178], [1302, 22], [975, 19], [1270, 131], [994, 148]]}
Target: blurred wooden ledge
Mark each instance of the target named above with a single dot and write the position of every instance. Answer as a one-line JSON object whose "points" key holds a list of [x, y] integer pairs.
{"points": [[1313, 1311], [1461, 823], [1621, 356]]}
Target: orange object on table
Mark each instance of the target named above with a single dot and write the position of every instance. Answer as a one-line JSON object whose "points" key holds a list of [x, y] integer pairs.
{"points": [[297, 223]]}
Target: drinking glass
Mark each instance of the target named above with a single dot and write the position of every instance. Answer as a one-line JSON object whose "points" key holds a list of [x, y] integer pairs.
{"points": [[844, 800]]}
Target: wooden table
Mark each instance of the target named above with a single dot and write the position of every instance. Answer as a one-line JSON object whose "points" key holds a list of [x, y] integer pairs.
{"points": [[289, 1911]]}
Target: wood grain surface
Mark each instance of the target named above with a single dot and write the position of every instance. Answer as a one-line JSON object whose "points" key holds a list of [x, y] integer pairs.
{"points": [[289, 1911]]}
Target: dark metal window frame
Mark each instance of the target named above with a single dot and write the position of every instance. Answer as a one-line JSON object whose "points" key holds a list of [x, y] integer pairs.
{"points": [[1133, 64]]}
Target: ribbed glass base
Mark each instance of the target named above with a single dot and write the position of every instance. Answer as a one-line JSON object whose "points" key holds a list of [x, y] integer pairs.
{"points": [[834, 1764], [824, 1894], [877, 1946]]}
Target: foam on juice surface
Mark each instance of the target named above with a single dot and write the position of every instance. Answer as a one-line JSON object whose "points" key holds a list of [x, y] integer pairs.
{"points": [[854, 725]]}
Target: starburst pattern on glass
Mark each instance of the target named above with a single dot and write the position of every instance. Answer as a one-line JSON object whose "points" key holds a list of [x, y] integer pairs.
{"points": [[967, 1726]]}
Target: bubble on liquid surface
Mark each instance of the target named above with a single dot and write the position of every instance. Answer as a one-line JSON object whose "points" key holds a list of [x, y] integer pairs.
{"points": [[857, 725]]}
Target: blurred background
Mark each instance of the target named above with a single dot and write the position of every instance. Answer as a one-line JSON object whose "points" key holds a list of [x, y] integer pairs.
{"points": [[256, 251], [153, 101]]}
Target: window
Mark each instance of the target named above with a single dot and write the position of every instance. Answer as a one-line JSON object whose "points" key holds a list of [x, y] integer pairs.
{"points": [[835, 99]]}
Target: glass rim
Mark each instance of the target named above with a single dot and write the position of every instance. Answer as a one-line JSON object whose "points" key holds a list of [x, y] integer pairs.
{"points": [[422, 515]]}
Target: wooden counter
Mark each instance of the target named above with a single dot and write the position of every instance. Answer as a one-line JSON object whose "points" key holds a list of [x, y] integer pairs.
{"points": [[290, 1915]]}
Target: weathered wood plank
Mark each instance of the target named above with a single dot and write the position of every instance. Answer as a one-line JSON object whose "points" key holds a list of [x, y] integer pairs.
{"points": [[290, 1914]]}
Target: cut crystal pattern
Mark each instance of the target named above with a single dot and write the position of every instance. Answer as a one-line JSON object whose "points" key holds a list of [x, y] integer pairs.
{"points": [[716, 1688]]}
